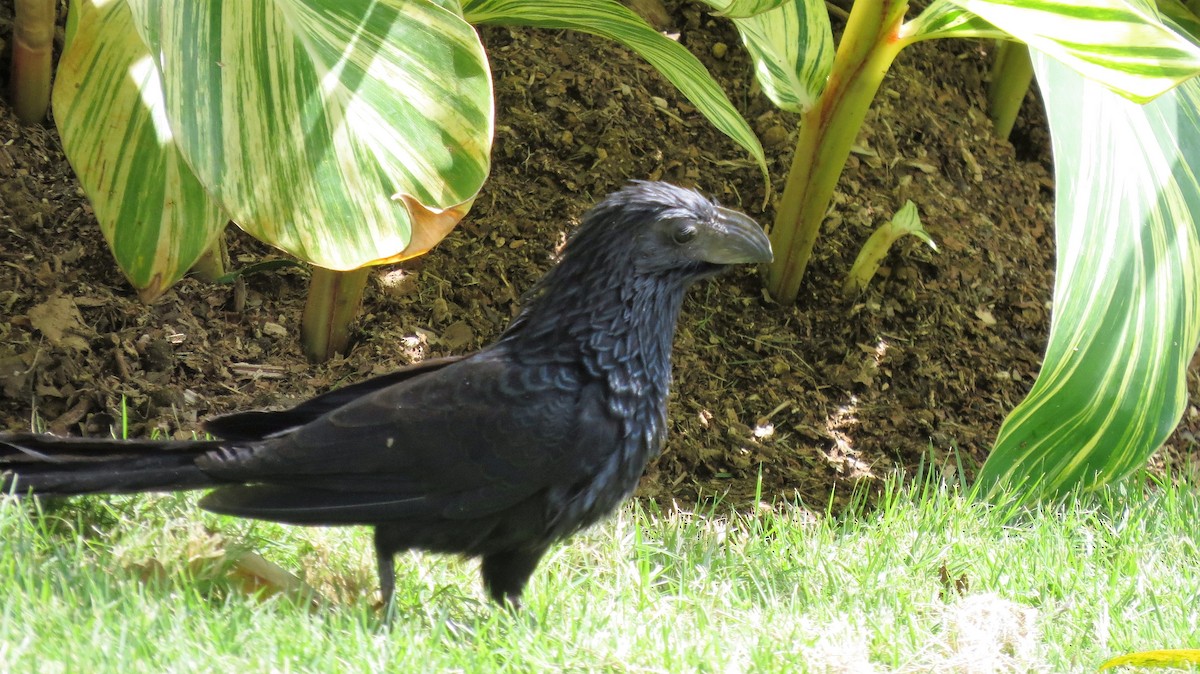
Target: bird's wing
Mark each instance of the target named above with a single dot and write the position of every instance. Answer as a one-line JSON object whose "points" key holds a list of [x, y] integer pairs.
{"points": [[464, 441], [257, 425]]}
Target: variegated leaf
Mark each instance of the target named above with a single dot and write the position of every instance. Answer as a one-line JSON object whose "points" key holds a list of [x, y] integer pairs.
{"points": [[1181, 18], [346, 132], [452, 6], [1125, 44], [109, 110], [944, 18], [1126, 316], [792, 48], [740, 9], [611, 20]]}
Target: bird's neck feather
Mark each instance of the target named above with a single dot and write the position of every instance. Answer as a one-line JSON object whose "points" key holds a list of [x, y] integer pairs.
{"points": [[619, 326]]}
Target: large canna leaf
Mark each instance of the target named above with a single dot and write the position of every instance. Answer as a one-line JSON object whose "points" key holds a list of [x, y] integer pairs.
{"points": [[792, 49], [608, 19], [1126, 44], [346, 132], [109, 109], [1126, 316]]}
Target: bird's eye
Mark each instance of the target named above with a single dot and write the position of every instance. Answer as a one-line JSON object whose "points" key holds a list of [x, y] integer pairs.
{"points": [[684, 233]]}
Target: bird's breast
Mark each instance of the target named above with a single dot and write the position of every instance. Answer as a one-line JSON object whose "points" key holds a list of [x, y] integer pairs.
{"points": [[640, 430]]}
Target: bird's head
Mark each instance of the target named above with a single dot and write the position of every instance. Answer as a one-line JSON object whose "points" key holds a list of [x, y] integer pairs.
{"points": [[629, 263], [669, 230]]}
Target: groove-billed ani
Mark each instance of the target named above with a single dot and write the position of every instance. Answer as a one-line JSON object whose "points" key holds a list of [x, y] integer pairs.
{"points": [[496, 454]]}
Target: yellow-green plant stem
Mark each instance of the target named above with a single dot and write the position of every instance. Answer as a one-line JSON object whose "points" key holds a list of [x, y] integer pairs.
{"points": [[213, 264], [1012, 72], [869, 45], [332, 304], [33, 39]]}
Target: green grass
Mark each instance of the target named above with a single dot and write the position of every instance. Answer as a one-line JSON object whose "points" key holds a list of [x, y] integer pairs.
{"points": [[923, 580]]}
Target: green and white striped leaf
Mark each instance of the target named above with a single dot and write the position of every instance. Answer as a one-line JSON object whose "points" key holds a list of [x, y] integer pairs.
{"points": [[1126, 316], [1125, 44], [108, 107], [606, 18], [740, 9], [944, 18], [792, 49], [1181, 19], [346, 132]]}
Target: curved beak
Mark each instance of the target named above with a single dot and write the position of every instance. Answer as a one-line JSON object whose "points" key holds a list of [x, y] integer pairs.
{"points": [[733, 238]]}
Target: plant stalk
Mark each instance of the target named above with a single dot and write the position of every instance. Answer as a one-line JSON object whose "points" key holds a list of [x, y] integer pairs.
{"points": [[33, 43], [1012, 72], [332, 305], [827, 130], [214, 263]]}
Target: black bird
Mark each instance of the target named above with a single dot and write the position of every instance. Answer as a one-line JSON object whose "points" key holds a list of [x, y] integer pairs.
{"points": [[496, 454]]}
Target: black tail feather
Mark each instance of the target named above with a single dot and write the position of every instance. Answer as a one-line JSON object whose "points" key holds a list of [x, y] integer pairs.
{"points": [[46, 464]]}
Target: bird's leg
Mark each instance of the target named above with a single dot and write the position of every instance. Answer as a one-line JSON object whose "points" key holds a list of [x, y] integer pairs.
{"points": [[506, 573], [385, 563]]}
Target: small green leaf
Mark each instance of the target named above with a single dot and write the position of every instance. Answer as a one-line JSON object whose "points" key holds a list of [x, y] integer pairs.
{"points": [[1126, 319], [611, 20], [866, 264], [256, 268]]}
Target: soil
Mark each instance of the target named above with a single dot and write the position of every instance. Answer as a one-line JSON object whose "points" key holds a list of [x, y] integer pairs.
{"points": [[805, 400]]}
